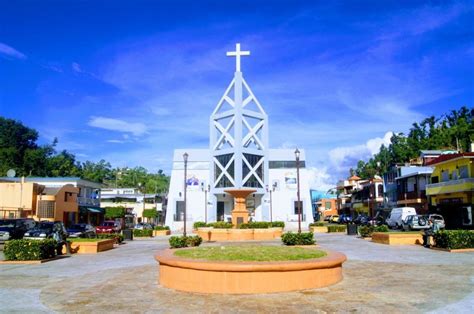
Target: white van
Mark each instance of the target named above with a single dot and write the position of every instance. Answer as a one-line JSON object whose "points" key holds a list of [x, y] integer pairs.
{"points": [[398, 214]]}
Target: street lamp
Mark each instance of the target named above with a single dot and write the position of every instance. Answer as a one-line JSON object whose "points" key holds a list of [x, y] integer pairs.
{"points": [[297, 155], [205, 190], [143, 190], [270, 191], [185, 158]]}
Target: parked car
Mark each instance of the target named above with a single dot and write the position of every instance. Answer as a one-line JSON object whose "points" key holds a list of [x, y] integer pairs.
{"points": [[108, 226], [438, 219], [12, 229], [81, 230], [415, 222], [49, 230], [334, 218], [397, 215]]}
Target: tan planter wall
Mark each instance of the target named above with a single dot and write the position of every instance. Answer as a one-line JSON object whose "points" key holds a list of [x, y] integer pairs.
{"points": [[158, 233], [319, 229], [397, 239], [248, 277], [91, 247]]}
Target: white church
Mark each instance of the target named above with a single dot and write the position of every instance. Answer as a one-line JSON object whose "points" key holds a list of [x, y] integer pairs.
{"points": [[238, 156]]}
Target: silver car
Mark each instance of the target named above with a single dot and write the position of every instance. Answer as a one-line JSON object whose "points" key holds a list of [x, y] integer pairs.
{"points": [[435, 218], [415, 222]]}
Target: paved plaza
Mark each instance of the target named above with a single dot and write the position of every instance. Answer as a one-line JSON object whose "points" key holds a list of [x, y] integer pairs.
{"points": [[377, 278]]}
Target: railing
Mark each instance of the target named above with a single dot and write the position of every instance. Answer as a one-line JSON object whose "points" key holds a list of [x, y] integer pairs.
{"points": [[450, 183], [411, 195], [85, 201]]}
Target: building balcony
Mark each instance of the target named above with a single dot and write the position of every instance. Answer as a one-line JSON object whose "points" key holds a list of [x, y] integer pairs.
{"points": [[85, 201], [414, 195], [452, 186]]}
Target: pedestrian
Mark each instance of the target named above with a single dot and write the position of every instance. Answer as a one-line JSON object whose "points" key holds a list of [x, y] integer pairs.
{"points": [[428, 232]]}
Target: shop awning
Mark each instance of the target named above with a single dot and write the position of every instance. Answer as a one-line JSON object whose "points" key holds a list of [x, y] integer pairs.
{"points": [[91, 209]]}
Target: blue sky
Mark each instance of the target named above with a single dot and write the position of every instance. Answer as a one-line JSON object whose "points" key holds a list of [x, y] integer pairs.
{"points": [[129, 81]]}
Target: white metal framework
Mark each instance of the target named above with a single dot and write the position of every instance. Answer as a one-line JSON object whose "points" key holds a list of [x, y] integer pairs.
{"points": [[239, 136]]}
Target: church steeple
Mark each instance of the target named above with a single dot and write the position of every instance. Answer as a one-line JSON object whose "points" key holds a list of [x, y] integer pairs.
{"points": [[239, 136]]}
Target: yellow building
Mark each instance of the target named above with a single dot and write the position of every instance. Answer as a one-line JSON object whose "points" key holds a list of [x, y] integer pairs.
{"points": [[451, 190], [33, 200]]}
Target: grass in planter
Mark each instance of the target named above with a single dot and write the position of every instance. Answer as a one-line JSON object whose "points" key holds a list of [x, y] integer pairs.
{"points": [[250, 253]]}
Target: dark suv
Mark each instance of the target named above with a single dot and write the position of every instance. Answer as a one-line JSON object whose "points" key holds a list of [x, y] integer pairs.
{"points": [[11, 229]]}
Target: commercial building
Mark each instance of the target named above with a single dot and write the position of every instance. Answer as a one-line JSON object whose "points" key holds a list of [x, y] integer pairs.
{"points": [[451, 190]]}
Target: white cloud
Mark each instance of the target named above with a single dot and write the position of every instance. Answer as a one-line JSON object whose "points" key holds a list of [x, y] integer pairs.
{"points": [[319, 179], [116, 141], [136, 129], [76, 67], [11, 52], [342, 158]]}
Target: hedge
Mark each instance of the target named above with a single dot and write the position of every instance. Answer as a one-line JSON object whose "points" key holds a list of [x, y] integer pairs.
{"points": [[278, 224], [160, 228], [184, 241], [318, 224], [220, 225], [199, 224], [142, 232], [454, 239], [117, 236], [303, 238], [366, 231], [337, 228], [27, 250]]}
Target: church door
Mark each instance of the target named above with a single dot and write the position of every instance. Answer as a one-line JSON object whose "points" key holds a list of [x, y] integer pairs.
{"points": [[220, 211]]}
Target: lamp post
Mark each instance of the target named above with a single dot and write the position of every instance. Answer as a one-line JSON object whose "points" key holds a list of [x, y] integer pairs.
{"points": [[270, 191], [205, 190], [143, 190], [297, 155], [185, 158]]}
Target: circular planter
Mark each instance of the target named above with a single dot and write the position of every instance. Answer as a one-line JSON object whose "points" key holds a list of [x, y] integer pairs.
{"points": [[193, 275]]}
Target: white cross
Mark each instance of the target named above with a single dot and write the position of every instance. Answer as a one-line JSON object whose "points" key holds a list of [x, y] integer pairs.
{"points": [[237, 53]]}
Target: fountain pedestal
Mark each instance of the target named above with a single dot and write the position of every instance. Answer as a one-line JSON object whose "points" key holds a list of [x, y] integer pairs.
{"points": [[240, 214]]}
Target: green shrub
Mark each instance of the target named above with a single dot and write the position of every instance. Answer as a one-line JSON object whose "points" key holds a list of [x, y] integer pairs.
{"points": [[142, 232], [278, 224], [117, 236], [454, 239], [182, 241], [337, 228], [160, 228], [27, 250], [382, 228], [114, 212], [366, 231], [193, 240], [150, 213], [318, 224], [303, 238], [220, 225], [199, 224]]}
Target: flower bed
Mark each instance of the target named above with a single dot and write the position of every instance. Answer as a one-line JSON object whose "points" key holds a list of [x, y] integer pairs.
{"points": [[238, 273], [148, 233]]}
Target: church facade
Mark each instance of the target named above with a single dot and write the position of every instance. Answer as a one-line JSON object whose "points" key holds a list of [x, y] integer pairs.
{"points": [[238, 157]]}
